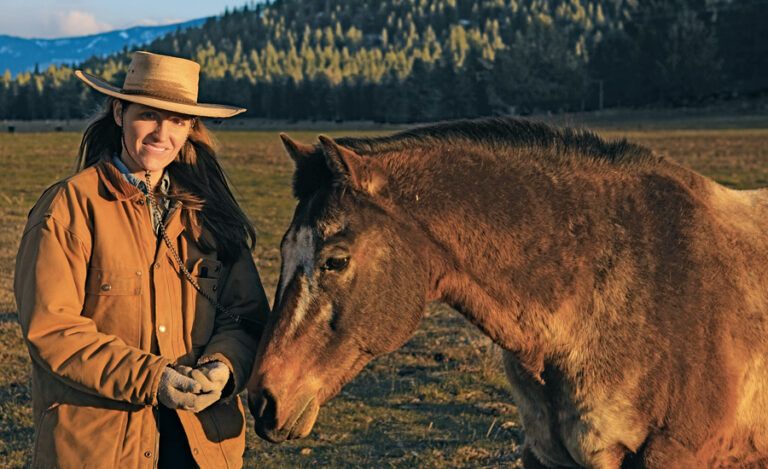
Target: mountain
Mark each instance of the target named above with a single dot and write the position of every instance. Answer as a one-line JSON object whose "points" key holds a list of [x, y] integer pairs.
{"points": [[429, 60], [20, 55]]}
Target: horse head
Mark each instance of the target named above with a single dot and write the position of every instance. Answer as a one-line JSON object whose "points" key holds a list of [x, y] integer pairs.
{"points": [[352, 287]]}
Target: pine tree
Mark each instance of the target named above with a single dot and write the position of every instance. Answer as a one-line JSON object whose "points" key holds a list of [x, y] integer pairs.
{"points": [[403, 60]]}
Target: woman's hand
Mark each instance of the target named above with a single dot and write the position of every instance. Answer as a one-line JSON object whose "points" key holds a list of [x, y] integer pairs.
{"points": [[212, 376], [178, 389]]}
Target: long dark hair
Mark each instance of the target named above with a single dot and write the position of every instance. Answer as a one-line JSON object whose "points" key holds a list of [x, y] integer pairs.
{"points": [[198, 181]]}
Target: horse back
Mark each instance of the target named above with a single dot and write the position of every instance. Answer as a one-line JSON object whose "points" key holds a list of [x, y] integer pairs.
{"points": [[674, 339], [743, 215], [715, 313]]}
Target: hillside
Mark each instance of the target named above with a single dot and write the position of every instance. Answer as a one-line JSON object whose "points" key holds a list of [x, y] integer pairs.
{"points": [[23, 55], [418, 60]]}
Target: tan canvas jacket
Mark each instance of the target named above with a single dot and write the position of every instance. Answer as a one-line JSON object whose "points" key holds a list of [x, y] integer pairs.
{"points": [[95, 289]]}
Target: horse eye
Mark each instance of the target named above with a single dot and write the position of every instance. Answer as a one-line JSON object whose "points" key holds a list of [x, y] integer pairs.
{"points": [[336, 263]]}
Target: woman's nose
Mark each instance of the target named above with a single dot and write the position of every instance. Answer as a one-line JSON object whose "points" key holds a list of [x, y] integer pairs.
{"points": [[162, 127]]}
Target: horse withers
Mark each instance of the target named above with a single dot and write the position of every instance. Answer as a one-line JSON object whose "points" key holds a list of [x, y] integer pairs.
{"points": [[630, 294]]}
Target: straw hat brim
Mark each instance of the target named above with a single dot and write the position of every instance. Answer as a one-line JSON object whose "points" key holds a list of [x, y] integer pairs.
{"points": [[198, 109]]}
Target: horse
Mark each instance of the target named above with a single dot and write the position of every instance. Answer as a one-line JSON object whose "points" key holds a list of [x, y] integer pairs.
{"points": [[629, 293]]}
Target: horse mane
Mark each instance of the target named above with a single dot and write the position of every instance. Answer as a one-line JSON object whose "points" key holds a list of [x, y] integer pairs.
{"points": [[495, 133], [492, 134]]}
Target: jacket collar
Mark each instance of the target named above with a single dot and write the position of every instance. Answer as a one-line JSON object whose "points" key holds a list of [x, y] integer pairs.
{"points": [[114, 181], [120, 189]]}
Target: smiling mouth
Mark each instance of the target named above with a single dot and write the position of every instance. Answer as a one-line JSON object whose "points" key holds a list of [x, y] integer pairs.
{"points": [[155, 148]]}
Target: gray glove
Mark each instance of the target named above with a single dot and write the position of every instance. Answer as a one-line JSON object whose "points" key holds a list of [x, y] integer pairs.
{"points": [[212, 376], [177, 390]]}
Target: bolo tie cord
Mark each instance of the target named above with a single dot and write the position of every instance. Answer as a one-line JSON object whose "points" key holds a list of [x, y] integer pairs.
{"points": [[155, 211]]}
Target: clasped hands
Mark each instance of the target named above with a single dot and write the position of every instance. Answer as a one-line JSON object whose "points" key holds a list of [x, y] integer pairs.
{"points": [[193, 389]]}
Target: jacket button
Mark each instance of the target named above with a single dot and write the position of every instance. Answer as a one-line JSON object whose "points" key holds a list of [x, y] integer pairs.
{"points": [[214, 288], [156, 265], [161, 328], [147, 454], [195, 451], [106, 287], [138, 272]]}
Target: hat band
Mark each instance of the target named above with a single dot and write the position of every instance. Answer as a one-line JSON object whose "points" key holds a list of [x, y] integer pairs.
{"points": [[149, 94]]}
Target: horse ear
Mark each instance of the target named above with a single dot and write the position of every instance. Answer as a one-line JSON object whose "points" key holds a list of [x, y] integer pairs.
{"points": [[362, 173], [296, 150]]}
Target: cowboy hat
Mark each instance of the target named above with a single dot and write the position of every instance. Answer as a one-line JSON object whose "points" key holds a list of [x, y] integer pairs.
{"points": [[163, 82]]}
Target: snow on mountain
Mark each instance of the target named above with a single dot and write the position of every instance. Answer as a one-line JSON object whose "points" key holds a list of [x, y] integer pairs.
{"points": [[19, 55]]}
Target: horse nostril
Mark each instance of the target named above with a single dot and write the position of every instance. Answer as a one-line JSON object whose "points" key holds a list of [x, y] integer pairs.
{"points": [[263, 402], [264, 406]]}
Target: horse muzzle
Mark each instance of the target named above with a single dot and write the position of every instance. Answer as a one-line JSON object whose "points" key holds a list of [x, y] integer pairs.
{"points": [[277, 428]]}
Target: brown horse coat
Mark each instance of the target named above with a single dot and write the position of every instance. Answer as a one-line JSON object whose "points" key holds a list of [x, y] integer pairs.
{"points": [[630, 294]]}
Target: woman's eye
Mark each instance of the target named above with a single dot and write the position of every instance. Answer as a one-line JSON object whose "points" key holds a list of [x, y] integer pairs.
{"points": [[147, 115], [336, 263]]}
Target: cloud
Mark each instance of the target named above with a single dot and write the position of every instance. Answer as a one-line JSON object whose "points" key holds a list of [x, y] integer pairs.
{"points": [[79, 23], [157, 22]]}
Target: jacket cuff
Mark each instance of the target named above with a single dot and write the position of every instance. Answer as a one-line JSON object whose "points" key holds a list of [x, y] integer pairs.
{"points": [[158, 373]]}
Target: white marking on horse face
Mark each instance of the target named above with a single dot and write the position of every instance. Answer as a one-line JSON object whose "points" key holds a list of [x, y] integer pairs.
{"points": [[298, 261], [326, 312], [298, 253], [302, 305]]}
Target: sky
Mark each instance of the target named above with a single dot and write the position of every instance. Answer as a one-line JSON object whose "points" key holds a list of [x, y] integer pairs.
{"points": [[64, 18]]}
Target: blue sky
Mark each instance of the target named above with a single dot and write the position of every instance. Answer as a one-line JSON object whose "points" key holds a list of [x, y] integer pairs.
{"points": [[57, 18]]}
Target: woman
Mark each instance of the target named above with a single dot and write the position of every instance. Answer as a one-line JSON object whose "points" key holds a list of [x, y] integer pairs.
{"points": [[141, 308]]}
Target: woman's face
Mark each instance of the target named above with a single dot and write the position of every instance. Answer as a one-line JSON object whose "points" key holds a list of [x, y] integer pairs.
{"points": [[153, 137]]}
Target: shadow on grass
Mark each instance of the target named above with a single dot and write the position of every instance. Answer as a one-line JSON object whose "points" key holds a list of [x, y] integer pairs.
{"points": [[429, 435], [9, 317], [16, 429]]}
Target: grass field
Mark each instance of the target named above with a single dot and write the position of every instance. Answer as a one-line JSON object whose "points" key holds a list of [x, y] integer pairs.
{"points": [[439, 401]]}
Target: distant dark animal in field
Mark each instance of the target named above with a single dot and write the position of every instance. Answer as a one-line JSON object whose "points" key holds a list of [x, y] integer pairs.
{"points": [[630, 294]]}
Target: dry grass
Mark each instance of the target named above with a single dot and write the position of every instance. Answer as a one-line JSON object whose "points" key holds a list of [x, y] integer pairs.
{"points": [[441, 400]]}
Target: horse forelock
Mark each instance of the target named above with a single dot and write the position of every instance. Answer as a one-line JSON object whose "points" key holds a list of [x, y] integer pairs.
{"points": [[312, 173]]}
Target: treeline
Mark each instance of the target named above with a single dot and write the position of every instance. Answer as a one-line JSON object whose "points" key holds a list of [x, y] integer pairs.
{"points": [[418, 60]]}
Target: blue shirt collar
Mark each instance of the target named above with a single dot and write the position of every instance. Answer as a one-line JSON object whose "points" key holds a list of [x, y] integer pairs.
{"points": [[165, 181]]}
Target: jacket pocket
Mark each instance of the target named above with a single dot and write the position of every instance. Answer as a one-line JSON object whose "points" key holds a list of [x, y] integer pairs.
{"points": [[113, 302], [43, 433], [206, 273], [224, 424], [70, 435]]}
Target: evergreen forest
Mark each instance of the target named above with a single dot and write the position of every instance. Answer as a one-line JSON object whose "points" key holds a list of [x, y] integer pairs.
{"points": [[424, 60]]}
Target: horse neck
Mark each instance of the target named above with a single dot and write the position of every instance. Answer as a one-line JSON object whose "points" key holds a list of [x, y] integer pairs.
{"points": [[500, 253]]}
